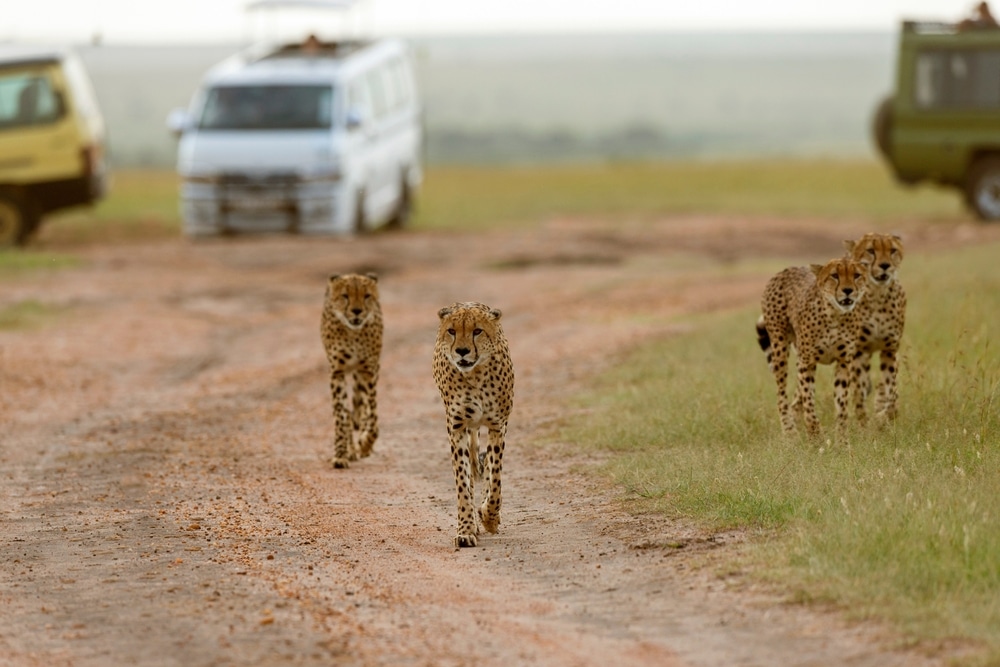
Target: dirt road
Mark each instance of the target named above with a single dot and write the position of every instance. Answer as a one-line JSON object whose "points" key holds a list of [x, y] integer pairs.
{"points": [[166, 495]]}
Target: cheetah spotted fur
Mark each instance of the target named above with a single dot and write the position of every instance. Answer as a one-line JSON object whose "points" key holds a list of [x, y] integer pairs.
{"points": [[812, 309], [474, 373], [881, 317], [351, 330]]}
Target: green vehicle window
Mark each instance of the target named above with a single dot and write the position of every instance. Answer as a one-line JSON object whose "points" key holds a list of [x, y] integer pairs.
{"points": [[952, 79]]}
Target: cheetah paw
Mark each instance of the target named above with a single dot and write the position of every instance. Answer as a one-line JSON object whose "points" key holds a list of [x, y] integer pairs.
{"points": [[341, 463], [465, 540]]}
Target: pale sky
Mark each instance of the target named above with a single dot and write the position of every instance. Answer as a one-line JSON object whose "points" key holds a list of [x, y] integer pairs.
{"points": [[172, 21]]}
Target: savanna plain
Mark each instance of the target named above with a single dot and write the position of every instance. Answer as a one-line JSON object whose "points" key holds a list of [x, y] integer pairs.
{"points": [[167, 497]]}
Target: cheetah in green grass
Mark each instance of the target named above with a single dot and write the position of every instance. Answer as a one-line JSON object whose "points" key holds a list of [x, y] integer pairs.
{"points": [[812, 309]]}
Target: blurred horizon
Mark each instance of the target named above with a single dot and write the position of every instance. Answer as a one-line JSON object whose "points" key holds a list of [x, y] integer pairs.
{"points": [[501, 98]]}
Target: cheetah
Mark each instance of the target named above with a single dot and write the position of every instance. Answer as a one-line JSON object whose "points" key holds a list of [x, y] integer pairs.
{"points": [[351, 329], [813, 309], [474, 373], [881, 316]]}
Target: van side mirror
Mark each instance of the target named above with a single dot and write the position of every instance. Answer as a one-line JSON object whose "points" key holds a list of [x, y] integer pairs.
{"points": [[355, 119], [178, 122]]}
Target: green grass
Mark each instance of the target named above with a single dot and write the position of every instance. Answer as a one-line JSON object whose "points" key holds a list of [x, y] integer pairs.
{"points": [[27, 314], [142, 204], [13, 262], [481, 197], [900, 523]]}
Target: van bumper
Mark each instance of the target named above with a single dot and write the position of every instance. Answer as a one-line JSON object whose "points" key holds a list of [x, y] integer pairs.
{"points": [[268, 203]]}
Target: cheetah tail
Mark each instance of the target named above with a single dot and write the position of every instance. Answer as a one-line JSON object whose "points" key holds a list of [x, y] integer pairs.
{"points": [[763, 339]]}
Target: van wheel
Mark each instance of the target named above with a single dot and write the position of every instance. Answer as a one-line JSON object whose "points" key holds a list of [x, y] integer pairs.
{"points": [[16, 221], [359, 225], [404, 210], [983, 188]]}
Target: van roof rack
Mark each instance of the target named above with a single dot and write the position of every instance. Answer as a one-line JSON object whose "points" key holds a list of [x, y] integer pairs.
{"points": [[930, 27], [311, 47]]}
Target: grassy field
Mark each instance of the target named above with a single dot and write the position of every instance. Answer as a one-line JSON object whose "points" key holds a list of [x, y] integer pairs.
{"points": [[899, 523], [143, 203]]}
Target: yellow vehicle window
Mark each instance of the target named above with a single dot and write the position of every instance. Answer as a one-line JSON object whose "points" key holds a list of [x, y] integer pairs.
{"points": [[26, 99]]}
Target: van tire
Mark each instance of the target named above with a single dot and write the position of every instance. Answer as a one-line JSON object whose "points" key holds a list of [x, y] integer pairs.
{"points": [[982, 188], [16, 220], [882, 127], [404, 210]]}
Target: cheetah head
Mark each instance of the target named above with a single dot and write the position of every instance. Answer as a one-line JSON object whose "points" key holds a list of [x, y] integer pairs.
{"points": [[468, 332], [880, 254], [842, 282], [353, 298]]}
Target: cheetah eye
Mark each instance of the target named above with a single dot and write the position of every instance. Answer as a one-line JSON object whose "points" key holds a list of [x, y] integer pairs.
{"points": [[451, 332], [871, 251], [477, 331]]}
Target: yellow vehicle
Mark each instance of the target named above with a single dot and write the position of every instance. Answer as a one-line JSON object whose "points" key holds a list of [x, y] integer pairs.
{"points": [[52, 139]]}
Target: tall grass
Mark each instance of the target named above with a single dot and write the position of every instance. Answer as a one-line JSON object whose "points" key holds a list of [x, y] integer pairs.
{"points": [[900, 522], [143, 203]]}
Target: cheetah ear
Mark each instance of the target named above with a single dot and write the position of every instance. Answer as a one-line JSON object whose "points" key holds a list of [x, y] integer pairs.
{"points": [[816, 268], [849, 246], [372, 276], [444, 312], [495, 314], [333, 276]]}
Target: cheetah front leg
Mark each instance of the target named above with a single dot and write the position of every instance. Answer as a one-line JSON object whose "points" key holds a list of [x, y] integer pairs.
{"points": [[489, 511], [365, 410], [807, 397], [887, 395], [841, 393], [458, 433], [343, 424], [862, 382]]}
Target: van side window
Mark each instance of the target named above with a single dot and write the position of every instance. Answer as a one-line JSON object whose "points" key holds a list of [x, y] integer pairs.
{"points": [[357, 100], [27, 98], [401, 82], [377, 92]]}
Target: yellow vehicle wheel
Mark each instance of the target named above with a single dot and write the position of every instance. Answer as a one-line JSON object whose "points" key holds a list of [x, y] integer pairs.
{"points": [[13, 222]]}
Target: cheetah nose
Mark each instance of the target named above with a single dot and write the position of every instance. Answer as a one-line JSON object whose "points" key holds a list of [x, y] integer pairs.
{"points": [[884, 266], [461, 351], [356, 311], [847, 291]]}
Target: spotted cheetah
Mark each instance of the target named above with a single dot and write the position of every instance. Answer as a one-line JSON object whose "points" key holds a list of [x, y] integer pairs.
{"points": [[881, 316], [474, 373], [814, 310], [351, 329]]}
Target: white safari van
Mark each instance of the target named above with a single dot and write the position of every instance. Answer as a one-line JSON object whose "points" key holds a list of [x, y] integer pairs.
{"points": [[312, 137], [52, 140]]}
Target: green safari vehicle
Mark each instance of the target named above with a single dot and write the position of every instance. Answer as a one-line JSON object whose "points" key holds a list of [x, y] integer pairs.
{"points": [[942, 124]]}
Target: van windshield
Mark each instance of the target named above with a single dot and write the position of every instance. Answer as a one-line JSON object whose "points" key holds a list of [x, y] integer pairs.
{"points": [[265, 107]]}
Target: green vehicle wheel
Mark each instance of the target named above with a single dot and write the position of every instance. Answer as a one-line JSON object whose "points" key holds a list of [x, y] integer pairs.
{"points": [[983, 189]]}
